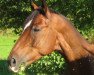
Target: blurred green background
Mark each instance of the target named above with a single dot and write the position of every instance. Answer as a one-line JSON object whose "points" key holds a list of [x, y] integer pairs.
{"points": [[14, 12]]}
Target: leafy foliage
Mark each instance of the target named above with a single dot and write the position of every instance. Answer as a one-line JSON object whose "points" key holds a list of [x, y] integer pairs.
{"points": [[14, 12], [51, 64]]}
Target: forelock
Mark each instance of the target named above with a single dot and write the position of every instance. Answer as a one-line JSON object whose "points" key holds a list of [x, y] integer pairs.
{"points": [[29, 19]]}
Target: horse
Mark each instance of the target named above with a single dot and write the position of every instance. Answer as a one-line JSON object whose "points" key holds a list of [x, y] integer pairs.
{"points": [[46, 31]]}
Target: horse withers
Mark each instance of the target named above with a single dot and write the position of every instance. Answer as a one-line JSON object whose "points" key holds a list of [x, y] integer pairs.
{"points": [[46, 31]]}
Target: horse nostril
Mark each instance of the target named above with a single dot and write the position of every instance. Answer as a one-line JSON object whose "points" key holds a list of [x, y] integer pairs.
{"points": [[13, 61]]}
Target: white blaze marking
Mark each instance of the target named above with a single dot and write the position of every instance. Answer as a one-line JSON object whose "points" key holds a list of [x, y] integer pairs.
{"points": [[27, 24]]}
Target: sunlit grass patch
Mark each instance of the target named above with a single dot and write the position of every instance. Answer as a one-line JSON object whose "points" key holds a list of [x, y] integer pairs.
{"points": [[6, 44]]}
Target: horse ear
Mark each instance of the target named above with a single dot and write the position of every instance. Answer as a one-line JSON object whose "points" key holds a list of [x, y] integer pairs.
{"points": [[33, 5], [45, 8]]}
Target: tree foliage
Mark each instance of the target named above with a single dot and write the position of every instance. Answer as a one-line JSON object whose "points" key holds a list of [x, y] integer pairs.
{"points": [[14, 12]]}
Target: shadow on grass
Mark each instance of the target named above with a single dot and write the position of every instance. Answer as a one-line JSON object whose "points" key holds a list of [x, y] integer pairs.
{"points": [[4, 68]]}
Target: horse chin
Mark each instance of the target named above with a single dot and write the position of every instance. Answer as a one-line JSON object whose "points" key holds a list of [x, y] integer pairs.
{"points": [[14, 69], [17, 69]]}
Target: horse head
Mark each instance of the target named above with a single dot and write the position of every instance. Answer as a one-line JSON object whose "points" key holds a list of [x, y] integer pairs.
{"points": [[46, 31], [37, 39]]}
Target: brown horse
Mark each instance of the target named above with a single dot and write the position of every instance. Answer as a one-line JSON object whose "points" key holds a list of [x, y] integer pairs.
{"points": [[46, 31]]}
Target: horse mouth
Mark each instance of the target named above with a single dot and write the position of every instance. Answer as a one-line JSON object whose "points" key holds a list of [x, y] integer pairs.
{"points": [[14, 69], [17, 69]]}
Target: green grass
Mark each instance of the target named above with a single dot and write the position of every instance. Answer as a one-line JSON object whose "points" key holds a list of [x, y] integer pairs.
{"points": [[6, 43]]}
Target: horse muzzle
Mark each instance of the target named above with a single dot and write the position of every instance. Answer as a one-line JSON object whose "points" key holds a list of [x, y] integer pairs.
{"points": [[14, 69]]}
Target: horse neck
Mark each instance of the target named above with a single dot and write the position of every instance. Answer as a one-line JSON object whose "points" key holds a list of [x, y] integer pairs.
{"points": [[75, 49]]}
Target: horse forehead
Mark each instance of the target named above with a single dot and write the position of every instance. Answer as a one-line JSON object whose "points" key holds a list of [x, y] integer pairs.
{"points": [[39, 20]]}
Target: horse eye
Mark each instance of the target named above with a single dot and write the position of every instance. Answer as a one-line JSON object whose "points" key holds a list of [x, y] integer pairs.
{"points": [[36, 29]]}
